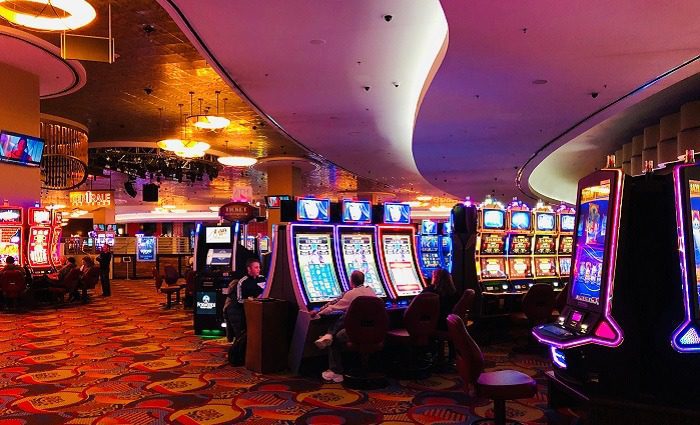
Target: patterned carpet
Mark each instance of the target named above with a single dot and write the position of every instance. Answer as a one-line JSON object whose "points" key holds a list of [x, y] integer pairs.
{"points": [[125, 360]]}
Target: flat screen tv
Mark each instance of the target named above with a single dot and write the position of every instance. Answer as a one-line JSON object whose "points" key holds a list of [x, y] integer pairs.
{"points": [[21, 149], [275, 201], [545, 222], [311, 209], [567, 222], [520, 220], [357, 212]]}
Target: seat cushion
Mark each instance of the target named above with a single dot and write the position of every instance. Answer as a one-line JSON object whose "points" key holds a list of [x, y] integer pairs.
{"points": [[505, 385], [398, 336]]}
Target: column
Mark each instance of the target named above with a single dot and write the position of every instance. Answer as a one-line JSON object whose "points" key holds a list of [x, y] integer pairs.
{"points": [[281, 180]]}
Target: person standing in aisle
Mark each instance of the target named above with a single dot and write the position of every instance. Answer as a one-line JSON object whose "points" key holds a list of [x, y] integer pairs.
{"points": [[105, 260]]}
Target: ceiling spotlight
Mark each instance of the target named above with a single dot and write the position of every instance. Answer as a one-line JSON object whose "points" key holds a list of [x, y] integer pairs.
{"points": [[56, 15], [237, 161]]}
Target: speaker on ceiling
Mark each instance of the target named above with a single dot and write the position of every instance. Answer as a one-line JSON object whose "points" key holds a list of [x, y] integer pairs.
{"points": [[150, 192], [129, 188]]}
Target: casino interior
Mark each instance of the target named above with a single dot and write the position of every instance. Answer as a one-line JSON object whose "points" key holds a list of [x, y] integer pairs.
{"points": [[191, 188]]}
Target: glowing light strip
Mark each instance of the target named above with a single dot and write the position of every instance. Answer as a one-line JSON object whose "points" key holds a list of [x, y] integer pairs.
{"points": [[273, 260], [687, 325], [80, 14], [607, 316]]}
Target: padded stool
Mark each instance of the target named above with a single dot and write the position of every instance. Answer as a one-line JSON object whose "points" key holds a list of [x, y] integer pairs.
{"points": [[169, 291], [501, 386]]}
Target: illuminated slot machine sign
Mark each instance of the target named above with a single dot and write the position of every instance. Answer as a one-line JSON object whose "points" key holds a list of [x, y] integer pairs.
{"points": [[398, 257], [429, 247], [491, 262], [55, 248], [520, 246], [11, 235], [357, 252], [38, 247], [686, 336], [545, 249], [316, 268], [567, 219]]}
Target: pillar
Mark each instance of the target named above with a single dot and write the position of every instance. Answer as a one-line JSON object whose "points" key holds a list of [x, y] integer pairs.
{"points": [[282, 180], [19, 112], [103, 216]]}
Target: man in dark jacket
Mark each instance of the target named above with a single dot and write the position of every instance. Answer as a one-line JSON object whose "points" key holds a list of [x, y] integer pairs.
{"points": [[105, 259], [249, 286]]}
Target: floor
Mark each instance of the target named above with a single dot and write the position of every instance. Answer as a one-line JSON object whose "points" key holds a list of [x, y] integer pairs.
{"points": [[125, 360]]}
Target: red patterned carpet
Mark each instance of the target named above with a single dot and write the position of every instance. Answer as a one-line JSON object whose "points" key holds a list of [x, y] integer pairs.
{"points": [[125, 360]]}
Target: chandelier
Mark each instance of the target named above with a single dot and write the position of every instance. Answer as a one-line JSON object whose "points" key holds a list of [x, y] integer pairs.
{"points": [[206, 121], [184, 147], [48, 15], [237, 161]]}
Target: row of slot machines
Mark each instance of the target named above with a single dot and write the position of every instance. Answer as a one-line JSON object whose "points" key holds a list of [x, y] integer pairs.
{"points": [[34, 241], [434, 244], [631, 330], [518, 246]]}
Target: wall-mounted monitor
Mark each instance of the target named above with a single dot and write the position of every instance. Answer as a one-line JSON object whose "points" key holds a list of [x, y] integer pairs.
{"points": [[357, 212], [520, 220], [545, 222], [494, 219], [313, 210], [275, 201], [21, 149], [428, 227], [397, 213], [218, 234]]}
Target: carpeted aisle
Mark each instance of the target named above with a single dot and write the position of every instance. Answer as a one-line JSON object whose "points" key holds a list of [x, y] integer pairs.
{"points": [[124, 360]]}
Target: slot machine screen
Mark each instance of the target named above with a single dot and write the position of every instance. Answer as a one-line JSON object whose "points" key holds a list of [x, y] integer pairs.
{"points": [[357, 212], [545, 222], [519, 268], [593, 215], [520, 245], [545, 245], [695, 221], [520, 220], [493, 244], [400, 264], [358, 254], [316, 267], [545, 267], [218, 235], [264, 244], [316, 210], [429, 243], [218, 257], [428, 227], [567, 222], [395, 213], [10, 242], [565, 266], [494, 219], [493, 268]]}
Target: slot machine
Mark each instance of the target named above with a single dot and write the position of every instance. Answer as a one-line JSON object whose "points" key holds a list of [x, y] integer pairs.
{"points": [[303, 271], [446, 245], [567, 218], [429, 249], [11, 235], [491, 248], [38, 244], [214, 263], [356, 247], [398, 254], [519, 246], [56, 232], [544, 252]]}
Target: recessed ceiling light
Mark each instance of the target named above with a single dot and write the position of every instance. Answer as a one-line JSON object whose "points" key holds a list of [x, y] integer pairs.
{"points": [[317, 41], [539, 81]]}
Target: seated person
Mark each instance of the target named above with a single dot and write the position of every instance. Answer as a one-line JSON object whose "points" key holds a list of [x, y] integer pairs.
{"points": [[88, 262], [442, 285], [10, 264], [336, 336], [249, 286], [63, 272]]}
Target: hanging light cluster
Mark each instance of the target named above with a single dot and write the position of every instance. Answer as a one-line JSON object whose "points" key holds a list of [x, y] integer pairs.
{"points": [[48, 15]]}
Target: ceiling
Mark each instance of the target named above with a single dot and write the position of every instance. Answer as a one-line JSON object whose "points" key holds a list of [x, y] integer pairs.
{"points": [[485, 88]]}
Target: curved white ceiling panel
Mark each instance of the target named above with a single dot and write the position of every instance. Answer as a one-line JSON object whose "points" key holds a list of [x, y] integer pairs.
{"points": [[341, 78]]}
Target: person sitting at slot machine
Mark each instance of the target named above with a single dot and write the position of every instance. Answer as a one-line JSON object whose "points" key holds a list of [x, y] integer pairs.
{"points": [[63, 271], [248, 287], [336, 331], [442, 285], [10, 264]]}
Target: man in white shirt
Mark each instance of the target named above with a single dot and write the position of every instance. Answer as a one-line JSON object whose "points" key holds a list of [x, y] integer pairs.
{"points": [[336, 333]]}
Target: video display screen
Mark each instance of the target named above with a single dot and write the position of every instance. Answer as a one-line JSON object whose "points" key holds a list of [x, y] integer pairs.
{"points": [[218, 257], [9, 215], [493, 268], [428, 227], [447, 227], [310, 209], [566, 245], [429, 243], [546, 222], [264, 244], [568, 221], [695, 219], [10, 243], [218, 234], [316, 267], [545, 245], [494, 219], [275, 201], [587, 274], [39, 241], [519, 268], [357, 212], [565, 266], [430, 260], [21, 149], [358, 254], [519, 245], [401, 265], [493, 244], [397, 213], [545, 267], [520, 220]]}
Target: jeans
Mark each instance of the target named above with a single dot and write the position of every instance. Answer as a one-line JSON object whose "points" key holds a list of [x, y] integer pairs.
{"points": [[335, 351], [104, 281]]}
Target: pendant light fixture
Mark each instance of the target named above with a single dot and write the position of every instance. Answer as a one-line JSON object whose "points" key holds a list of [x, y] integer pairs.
{"points": [[48, 15], [207, 121]]}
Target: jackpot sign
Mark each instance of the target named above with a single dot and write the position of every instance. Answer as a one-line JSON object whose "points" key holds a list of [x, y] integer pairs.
{"points": [[92, 199]]}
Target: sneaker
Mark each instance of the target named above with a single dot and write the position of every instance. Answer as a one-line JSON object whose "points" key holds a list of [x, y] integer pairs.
{"points": [[324, 342], [331, 376]]}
